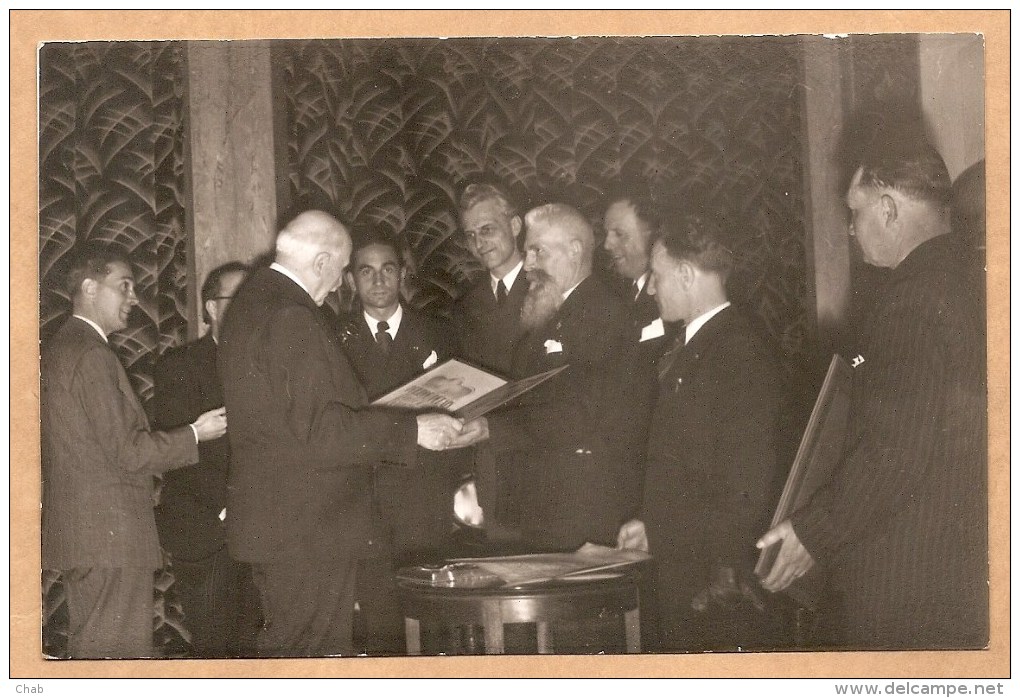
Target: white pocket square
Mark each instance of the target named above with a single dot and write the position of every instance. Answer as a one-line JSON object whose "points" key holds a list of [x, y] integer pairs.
{"points": [[653, 329], [553, 347], [432, 359]]}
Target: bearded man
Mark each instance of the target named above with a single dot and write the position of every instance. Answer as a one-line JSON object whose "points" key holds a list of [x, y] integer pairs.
{"points": [[573, 429]]}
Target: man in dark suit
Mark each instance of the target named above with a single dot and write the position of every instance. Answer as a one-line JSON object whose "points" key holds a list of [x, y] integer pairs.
{"points": [[487, 322], [98, 461], [712, 452], [573, 428], [216, 591], [630, 218], [488, 316], [303, 443], [388, 344], [900, 529]]}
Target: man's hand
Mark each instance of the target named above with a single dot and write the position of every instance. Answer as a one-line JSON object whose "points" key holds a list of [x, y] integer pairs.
{"points": [[474, 431], [632, 536], [793, 560], [212, 424], [437, 431]]}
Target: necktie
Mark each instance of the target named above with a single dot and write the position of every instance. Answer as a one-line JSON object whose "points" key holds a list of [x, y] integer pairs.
{"points": [[667, 360], [382, 337], [500, 292]]}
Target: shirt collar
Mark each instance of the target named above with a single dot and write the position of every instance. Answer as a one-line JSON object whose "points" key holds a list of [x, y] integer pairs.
{"points": [[393, 321], [508, 280], [276, 266], [699, 322], [640, 281], [95, 326], [566, 294]]}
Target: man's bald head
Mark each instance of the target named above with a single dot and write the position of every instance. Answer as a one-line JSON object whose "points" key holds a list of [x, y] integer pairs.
{"points": [[316, 248]]}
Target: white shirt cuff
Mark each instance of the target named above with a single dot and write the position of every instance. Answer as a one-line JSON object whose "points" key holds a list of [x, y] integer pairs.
{"points": [[194, 430]]}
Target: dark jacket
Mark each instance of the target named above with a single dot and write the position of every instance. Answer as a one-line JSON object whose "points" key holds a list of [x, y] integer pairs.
{"points": [[710, 481], [187, 384], [488, 333], [301, 434], [577, 429], [99, 457], [415, 504], [901, 529]]}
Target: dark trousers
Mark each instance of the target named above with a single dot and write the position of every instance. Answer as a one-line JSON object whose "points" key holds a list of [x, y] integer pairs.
{"points": [[416, 508], [220, 604], [380, 630], [308, 607], [110, 612]]}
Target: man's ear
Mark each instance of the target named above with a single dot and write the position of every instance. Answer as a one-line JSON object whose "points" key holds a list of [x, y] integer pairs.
{"points": [[516, 226], [889, 212], [319, 261], [576, 248], [211, 309], [350, 279], [685, 270], [89, 287]]}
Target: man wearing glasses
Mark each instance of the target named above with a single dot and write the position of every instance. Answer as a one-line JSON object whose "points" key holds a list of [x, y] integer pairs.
{"points": [[216, 591], [488, 326]]}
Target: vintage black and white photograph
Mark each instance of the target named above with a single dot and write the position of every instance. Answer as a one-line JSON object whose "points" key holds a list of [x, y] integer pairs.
{"points": [[758, 263]]}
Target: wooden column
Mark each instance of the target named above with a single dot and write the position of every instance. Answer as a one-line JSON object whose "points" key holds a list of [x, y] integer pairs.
{"points": [[230, 158], [827, 245]]}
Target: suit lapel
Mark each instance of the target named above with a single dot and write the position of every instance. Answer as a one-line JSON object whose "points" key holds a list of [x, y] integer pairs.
{"points": [[90, 336], [681, 360]]}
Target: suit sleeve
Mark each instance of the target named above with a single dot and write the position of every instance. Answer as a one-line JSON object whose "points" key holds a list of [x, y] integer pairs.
{"points": [[890, 435], [119, 425], [747, 416], [332, 426]]}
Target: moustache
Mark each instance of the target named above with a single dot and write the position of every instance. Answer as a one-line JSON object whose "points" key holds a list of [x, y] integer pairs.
{"points": [[537, 277]]}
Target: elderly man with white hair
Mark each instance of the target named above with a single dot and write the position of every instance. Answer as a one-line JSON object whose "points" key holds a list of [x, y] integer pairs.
{"points": [[576, 429], [303, 443]]}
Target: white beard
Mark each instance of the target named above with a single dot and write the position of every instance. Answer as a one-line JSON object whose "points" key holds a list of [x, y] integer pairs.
{"points": [[542, 301]]}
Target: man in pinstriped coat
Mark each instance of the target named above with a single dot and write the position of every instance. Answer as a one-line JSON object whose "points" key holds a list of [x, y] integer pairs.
{"points": [[901, 528], [98, 461]]}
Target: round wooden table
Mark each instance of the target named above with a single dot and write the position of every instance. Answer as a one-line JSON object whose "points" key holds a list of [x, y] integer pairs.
{"points": [[593, 597]]}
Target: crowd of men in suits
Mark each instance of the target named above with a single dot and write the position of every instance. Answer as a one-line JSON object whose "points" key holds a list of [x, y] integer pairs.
{"points": [[662, 433]]}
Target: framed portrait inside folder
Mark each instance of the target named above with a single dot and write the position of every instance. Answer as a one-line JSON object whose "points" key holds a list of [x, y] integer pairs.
{"points": [[460, 389], [820, 449]]}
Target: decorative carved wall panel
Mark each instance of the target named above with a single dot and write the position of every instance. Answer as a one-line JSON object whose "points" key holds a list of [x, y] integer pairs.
{"points": [[383, 132]]}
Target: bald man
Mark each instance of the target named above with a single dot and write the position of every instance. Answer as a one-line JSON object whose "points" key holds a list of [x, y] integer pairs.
{"points": [[303, 443], [580, 443]]}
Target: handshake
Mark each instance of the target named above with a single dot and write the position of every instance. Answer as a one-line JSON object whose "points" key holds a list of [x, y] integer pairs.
{"points": [[440, 432]]}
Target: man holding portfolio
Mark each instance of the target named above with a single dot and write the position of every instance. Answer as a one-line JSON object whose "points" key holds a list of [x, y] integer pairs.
{"points": [[573, 429], [900, 529]]}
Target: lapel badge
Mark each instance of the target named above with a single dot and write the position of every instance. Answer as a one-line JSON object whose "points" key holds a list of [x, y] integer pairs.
{"points": [[857, 361]]}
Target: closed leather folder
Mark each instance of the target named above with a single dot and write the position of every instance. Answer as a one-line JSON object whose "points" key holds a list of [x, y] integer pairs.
{"points": [[820, 450]]}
